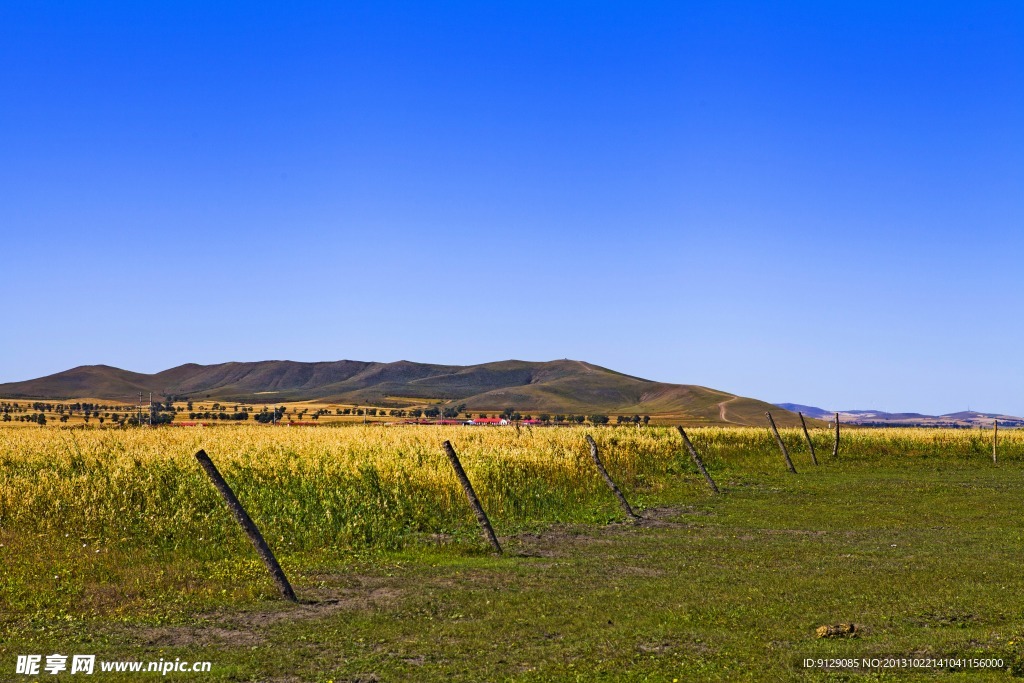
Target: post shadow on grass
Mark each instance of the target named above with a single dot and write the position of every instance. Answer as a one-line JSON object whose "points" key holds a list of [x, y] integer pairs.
{"points": [[807, 435], [782, 444], [262, 549], [630, 515], [697, 459], [474, 502]]}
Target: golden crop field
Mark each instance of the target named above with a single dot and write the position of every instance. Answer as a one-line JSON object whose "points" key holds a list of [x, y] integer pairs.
{"points": [[356, 485], [377, 486], [100, 526]]}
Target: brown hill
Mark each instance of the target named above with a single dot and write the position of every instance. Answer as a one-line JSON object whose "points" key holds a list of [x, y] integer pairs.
{"points": [[561, 386]]}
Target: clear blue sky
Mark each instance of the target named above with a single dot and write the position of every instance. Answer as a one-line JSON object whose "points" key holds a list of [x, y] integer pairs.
{"points": [[818, 202]]}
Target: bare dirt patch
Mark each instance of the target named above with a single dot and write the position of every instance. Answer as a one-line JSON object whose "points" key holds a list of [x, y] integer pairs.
{"points": [[562, 539], [191, 636], [320, 603]]}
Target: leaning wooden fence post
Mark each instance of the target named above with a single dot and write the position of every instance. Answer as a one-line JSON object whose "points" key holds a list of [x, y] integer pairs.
{"points": [[810, 443], [608, 480], [248, 526], [835, 446], [995, 439], [782, 444], [697, 460], [481, 516]]}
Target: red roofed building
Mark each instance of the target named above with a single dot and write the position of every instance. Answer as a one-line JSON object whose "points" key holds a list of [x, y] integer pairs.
{"points": [[488, 421]]}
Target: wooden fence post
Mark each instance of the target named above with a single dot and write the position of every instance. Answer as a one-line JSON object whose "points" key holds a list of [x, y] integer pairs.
{"points": [[262, 549], [697, 460], [810, 443], [782, 445], [835, 446], [608, 480], [474, 503], [995, 439]]}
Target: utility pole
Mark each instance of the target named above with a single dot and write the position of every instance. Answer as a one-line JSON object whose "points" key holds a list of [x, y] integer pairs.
{"points": [[151, 409], [995, 439]]}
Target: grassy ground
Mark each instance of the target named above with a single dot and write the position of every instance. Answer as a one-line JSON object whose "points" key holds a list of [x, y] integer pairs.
{"points": [[916, 539]]}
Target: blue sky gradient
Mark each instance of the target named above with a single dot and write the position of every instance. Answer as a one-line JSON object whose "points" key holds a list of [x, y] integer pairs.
{"points": [[799, 201]]}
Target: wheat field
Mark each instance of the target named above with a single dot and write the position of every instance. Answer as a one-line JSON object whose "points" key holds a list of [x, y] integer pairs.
{"points": [[309, 488], [384, 487], [114, 538]]}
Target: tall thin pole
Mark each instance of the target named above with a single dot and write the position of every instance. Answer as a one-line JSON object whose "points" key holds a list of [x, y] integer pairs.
{"points": [[697, 460], [835, 446], [250, 529], [608, 480], [810, 443], [995, 439], [782, 444], [474, 502]]}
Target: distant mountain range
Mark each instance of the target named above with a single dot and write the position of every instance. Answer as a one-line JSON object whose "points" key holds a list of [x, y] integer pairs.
{"points": [[966, 418], [560, 386]]}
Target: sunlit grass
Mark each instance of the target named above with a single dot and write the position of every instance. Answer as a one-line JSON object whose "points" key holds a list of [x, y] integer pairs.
{"points": [[911, 533]]}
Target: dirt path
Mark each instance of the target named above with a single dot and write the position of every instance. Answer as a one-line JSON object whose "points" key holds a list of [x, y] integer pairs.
{"points": [[721, 409]]}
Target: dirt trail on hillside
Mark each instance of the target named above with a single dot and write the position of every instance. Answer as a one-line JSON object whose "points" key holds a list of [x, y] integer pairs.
{"points": [[721, 409]]}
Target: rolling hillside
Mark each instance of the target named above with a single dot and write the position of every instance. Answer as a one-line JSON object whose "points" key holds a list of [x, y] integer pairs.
{"points": [[561, 386]]}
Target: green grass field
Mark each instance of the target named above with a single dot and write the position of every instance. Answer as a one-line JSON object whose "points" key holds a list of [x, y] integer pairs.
{"points": [[914, 536]]}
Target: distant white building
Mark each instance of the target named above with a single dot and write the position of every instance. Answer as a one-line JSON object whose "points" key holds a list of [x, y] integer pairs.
{"points": [[497, 421]]}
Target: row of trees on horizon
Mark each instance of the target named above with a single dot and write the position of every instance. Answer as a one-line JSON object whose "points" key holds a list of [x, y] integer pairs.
{"points": [[164, 412]]}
